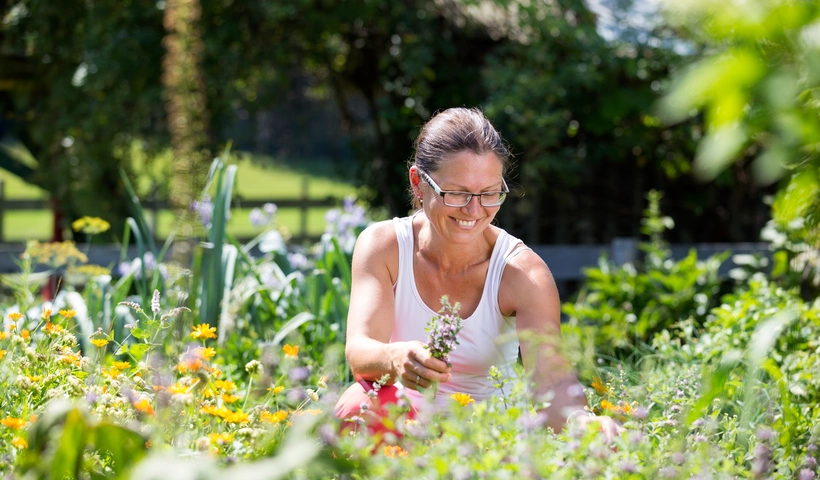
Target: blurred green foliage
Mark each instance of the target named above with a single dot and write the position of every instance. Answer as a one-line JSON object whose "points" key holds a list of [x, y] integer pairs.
{"points": [[576, 108]]}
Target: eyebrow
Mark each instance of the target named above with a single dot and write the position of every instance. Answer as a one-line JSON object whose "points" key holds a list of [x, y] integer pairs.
{"points": [[487, 189]]}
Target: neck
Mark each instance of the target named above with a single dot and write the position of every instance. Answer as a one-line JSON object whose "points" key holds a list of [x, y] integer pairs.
{"points": [[449, 257]]}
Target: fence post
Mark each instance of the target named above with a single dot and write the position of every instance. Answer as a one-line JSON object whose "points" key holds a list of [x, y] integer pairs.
{"points": [[154, 210], [303, 210], [624, 250], [2, 207]]}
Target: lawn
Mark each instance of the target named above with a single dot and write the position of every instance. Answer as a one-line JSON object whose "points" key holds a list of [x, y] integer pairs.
{"points": [[258, 178]]}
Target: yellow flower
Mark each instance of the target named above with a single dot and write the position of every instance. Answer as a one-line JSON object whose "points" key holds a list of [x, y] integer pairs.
{"points": [[237, 417], [46, 314], [2, 354], [216, 372], [394, 451], [90, 225], [3, 335], [25, 334], [99, 343], [599, 386], [19, 443], [228, 398], [12, 327], [178, 389], [67, 313], [15, 316], [275, 417], [306, 411], [91, 270], [70, 357], [220, 412], [291, 351], [34, 378], [13, 423], [220, 438], [206, 352], [463, 399], [225, 385], [144, 405], [203, 331], [121, 365], [208, 393], [277, 389]]}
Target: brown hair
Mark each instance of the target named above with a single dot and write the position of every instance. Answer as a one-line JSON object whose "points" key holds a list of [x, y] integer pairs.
{"points": [[452, 131]]}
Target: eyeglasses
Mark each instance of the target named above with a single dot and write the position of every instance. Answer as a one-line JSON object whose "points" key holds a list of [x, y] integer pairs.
{"points": [[461, 199]]}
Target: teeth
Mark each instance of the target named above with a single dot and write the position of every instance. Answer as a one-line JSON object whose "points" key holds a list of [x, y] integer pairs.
{"points": [[465, 224]]}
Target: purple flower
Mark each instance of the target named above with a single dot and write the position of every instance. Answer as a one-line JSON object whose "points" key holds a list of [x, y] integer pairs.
{"points": [[628, 467], [257, 218], [297, 260], [270, 209], [811, 461], [443, 329], [348, 202], [806, 474], [298, 374], [204, 209]]}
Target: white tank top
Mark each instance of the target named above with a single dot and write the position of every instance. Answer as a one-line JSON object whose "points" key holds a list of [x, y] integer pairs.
{"points": [[487, 337]]}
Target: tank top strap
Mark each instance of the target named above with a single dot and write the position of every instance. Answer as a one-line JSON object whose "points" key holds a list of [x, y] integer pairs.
{"points": [[506, 248], [404, 235]]}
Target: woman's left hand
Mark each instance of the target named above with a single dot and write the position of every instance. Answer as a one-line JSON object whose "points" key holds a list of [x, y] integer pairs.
{"points": [[609, 427]]}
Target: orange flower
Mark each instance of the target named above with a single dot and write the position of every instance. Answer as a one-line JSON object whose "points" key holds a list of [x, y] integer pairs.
{"points": [[203, 331], [275, 417], [191, 364], [144, 406], [46, 314], [53, 329], [67, 313], [19, 443], [121, 365], [13, 423], [99, 342], [25, 334], [15, 316], [220, 412], [599, 386], [463, 399], [395, 451], [291, 351]]}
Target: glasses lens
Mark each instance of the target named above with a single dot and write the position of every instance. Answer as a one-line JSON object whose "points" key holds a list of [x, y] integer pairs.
{"points": [[492, 199], [457, 199]]}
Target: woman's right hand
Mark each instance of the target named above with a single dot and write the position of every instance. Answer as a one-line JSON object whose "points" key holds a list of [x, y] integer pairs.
{"points": [[413, 365]]}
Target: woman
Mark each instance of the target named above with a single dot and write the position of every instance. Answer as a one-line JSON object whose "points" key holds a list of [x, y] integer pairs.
{"points": [[509, 300]]}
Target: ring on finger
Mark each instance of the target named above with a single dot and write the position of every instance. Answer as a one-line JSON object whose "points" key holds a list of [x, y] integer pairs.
{"points": [[418, 378]]}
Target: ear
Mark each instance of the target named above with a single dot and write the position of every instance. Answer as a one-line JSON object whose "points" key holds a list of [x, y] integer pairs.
{"points": [[414, 179]]}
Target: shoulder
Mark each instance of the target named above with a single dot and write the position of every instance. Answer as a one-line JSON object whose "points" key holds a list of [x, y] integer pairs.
{"points": [[377, 244], [527, 279]]}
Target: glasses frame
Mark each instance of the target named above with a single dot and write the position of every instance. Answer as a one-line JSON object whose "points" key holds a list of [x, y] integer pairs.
{"points": [[470, 196]]}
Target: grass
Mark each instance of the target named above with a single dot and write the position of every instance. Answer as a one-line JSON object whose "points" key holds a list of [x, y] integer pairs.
{"points": [[258, 178]]}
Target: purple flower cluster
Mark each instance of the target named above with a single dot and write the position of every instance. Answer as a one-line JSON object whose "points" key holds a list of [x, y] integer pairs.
{"points": [[263, 217], [346, 223], [204, 209], [443, 329]]}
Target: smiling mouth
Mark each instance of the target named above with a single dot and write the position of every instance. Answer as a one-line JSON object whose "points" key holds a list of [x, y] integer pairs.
{"points": [[465, 223]]}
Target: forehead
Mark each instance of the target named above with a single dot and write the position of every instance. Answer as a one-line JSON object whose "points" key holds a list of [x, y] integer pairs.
{"points": [[467, 169]]}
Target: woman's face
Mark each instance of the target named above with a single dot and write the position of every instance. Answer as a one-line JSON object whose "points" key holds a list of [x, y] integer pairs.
{"points": [[463, 172]]}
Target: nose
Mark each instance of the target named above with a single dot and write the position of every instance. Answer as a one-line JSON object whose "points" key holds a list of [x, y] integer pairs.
{"points": [[474, 206]]}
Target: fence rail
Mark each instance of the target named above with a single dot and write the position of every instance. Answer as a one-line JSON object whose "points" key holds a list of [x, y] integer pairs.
{"points": [[154, 205]]}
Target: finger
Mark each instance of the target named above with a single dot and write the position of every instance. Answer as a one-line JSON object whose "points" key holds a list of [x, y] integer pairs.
{"points": [[435, 372]]}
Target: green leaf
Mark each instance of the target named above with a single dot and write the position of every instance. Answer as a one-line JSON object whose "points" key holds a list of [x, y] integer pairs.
{"points": [[138, 350], [139, 333], [124, 446]]}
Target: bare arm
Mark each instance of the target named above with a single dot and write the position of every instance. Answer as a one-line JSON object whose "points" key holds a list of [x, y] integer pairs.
{"points": [[371, 316], [529, 290]]}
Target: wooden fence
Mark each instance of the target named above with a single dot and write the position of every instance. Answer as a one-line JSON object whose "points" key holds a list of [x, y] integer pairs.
{"points": [[154, 205]]}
